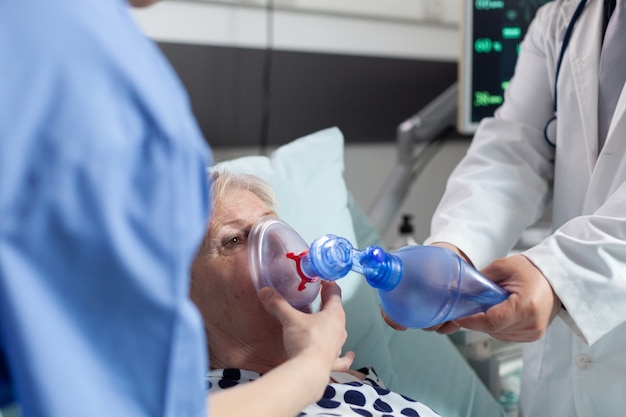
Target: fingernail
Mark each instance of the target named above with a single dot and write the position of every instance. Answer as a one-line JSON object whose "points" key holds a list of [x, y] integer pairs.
{"points": [[265, 293]]}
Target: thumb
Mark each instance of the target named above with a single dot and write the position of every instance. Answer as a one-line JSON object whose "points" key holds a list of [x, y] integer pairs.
{"points": [[276, 305], [344, 362]]}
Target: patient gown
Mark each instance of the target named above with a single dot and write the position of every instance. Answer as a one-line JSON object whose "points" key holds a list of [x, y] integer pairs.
{"points": [[369, 398]]}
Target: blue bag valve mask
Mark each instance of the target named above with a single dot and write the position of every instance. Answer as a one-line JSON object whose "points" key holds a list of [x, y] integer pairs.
{"points": [[418, 286]]}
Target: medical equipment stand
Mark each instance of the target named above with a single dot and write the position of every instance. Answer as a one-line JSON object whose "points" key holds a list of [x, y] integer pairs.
{"points": [[423, 128]]}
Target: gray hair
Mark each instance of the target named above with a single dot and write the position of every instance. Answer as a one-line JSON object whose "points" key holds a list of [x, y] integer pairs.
{"points": [[222, 182]]}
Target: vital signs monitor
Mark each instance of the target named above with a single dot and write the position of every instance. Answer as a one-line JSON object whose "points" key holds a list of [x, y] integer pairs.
{"points": [[492, 31]]}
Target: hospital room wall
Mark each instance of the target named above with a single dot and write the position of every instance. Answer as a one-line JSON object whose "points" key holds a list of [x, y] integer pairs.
{"points": [[364, 181], [375, 62]]}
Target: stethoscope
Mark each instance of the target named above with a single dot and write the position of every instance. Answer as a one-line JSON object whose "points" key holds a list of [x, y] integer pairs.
{"points": [[566, 39]]}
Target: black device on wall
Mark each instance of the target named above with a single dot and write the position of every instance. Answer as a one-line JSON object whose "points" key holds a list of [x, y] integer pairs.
{"points": [[491, 33]]}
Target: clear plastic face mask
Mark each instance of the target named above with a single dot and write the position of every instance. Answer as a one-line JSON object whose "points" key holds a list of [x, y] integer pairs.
{"points": [[275, 250]]}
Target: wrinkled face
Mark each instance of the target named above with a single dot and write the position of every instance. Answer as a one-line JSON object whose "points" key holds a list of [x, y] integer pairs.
{"points": [[221, 284]]}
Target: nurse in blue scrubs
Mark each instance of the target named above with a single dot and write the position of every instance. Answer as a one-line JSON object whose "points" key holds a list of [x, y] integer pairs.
{"points": [[103, 202]]}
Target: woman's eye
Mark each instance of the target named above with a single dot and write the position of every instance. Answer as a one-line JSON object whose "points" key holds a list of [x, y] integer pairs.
{"points": [[233, 242]]}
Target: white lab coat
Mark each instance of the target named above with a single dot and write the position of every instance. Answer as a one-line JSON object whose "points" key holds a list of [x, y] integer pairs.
{"points": [[507, 180]]}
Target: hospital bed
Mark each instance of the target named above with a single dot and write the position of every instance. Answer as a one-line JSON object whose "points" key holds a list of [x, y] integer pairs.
{"points": [[307, 175]]}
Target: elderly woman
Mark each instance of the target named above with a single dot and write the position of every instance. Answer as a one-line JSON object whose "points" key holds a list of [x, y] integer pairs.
{"points": [[245, 341]]}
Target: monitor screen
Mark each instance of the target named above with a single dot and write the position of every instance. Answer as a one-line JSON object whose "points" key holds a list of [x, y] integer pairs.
{"points": [[491, 33]]}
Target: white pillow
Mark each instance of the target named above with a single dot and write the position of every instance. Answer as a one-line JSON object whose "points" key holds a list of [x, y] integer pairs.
{"points": [[307, 176]]}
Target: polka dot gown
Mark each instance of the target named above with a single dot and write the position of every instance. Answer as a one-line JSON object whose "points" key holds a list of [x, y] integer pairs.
{"points": [[368, 398]]}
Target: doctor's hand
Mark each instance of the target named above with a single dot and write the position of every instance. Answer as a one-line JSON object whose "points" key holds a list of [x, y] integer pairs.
{"points": [[526, 314]]}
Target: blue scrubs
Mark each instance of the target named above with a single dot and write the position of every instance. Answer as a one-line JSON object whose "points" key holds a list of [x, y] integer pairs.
{"points": [[103, 203]]}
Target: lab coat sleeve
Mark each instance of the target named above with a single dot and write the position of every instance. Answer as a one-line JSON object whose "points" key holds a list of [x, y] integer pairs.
{"points": [[504, 182], [103, 202], [584, 261]]}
